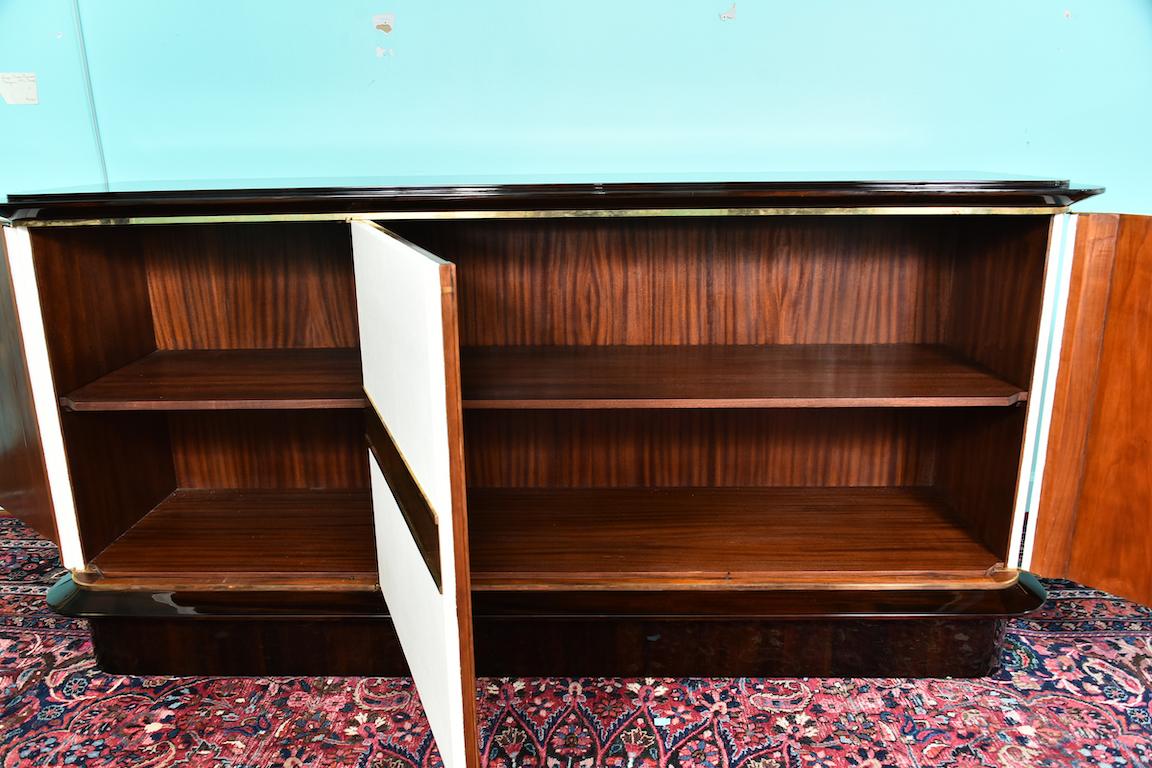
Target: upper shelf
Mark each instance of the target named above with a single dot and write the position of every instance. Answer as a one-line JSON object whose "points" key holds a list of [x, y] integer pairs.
{"points": [[111, 207], [169, 380], [776, 376]]}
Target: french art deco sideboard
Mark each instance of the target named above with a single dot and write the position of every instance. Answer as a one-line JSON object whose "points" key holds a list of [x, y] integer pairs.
{"points": [[579, 429]]}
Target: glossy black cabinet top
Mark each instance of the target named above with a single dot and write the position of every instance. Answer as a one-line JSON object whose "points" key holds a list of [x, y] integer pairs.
{"points": [[547, 197]]}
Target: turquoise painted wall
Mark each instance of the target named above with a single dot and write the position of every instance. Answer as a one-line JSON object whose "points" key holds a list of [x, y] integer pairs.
{"points": [[212, 93], [53, 143]]}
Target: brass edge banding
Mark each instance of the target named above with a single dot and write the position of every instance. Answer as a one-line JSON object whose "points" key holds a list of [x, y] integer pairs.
{"points": [[588, 213], [95, 581], [403, 459], [499, 585]]}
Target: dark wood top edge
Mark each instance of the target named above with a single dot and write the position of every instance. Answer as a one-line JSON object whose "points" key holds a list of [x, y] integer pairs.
{"points": [[68, 598], [593, 196], [1018, 598]]}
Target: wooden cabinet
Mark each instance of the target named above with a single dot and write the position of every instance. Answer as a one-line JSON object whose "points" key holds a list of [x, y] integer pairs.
{"points": [[710, 429]]}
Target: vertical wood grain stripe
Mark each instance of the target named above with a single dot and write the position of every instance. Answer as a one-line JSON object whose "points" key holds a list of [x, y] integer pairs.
{"points": [[1075, 398], [418, 513], [1112, 541]]}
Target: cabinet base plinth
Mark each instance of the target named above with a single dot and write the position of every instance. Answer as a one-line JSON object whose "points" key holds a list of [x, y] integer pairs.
{"points": [[787, 648], [210, 646], [165, 632]]}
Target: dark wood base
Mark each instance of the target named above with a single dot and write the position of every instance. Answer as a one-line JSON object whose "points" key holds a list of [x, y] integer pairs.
{"points": [[212, 646], [791, 648], [558, 648], [748, 633], [727, 633], [321, 633]]}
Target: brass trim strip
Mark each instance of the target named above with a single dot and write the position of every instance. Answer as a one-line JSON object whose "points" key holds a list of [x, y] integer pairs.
{"points": [[511, 582], [91, 578], [588, 213], [421, 519]]}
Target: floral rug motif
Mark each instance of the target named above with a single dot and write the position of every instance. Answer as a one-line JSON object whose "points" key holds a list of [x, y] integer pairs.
{"points": [[1075, 689]]}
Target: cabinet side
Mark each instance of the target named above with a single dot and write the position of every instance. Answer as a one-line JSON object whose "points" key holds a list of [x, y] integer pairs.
{"points": [[23, 478], [34, 484]]}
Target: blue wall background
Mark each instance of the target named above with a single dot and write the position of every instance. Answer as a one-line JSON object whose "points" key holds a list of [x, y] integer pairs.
{"points": [[160, 93]]}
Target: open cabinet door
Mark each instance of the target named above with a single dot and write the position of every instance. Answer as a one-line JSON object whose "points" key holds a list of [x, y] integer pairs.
{"points": [[409, 344], [1097, 489]]}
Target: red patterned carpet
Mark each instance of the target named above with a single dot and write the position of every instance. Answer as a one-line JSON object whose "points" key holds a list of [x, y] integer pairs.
{"points": [[1075, 690]]}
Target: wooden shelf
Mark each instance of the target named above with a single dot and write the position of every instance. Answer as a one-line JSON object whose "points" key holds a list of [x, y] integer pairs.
{"points": [[774, 376], [242, 539], [227, 379], [722, 538]]}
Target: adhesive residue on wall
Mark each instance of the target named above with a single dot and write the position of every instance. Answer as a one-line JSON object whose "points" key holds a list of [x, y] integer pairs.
{"points": [[384, 22], [19, 88]]}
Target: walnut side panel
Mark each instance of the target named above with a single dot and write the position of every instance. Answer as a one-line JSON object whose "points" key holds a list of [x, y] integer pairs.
{"points": [[1112, 544], [998, 293], [978, 465], [94, 295], [121, 467]]}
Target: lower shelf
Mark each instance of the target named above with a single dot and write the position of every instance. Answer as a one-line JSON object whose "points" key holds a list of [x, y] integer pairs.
{"points": [[723, 538], [200, 539]]}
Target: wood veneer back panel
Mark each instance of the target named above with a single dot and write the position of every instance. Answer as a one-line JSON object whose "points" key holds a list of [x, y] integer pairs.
{"points": [[569, 449], [94, 297], [251, 286], [261, 449], [999, 289], [794, 280]]}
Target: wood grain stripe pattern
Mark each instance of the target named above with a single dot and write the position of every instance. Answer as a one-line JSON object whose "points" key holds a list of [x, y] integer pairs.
{"points": [[1112, 544], [250, 286], [716, 448], [666, 282], [414, 505], [1076, 388]]}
